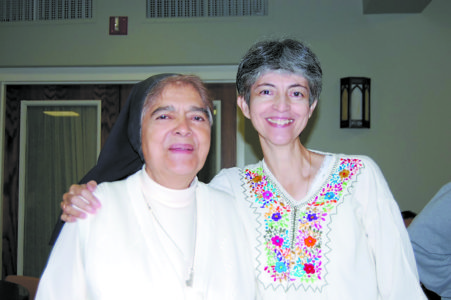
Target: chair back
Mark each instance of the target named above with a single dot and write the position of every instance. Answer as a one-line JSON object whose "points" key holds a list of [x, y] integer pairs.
{"points": [[30, 283]]}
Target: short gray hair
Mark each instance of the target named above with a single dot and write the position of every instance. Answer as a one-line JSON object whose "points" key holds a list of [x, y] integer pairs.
{"points": [[286, 55]]}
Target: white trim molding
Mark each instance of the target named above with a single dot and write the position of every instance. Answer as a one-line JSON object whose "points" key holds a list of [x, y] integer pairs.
{"points": [[213, 73]]}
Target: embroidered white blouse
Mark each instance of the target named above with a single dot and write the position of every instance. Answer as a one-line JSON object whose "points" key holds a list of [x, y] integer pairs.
{"points": [[344, 240]]}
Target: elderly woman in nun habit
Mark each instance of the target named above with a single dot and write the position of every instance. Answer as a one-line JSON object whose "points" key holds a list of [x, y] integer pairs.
{"points": [[321, 225], [161, 234]]}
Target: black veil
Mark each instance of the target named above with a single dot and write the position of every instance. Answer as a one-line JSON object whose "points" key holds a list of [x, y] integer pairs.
{"points": [[121, 156]]}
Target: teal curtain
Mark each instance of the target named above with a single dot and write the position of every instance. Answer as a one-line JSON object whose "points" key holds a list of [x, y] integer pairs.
{"points": [[58, 152]]}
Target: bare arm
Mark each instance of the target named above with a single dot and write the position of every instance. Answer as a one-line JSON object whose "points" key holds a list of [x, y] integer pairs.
{"points": [[78, 201]]}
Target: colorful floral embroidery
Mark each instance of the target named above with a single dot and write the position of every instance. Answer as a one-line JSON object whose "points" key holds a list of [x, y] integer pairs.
{"points": [[294, 234]]}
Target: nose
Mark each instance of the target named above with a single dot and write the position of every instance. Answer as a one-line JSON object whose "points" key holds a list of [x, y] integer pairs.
{"points": [[183, 127], [282, 103]]}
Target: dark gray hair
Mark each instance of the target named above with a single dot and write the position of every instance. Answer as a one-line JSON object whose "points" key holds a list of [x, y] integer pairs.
{"points": [[284, 55]]}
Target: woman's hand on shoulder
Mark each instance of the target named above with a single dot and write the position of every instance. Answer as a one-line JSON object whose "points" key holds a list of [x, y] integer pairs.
{"points": [[79, 201]]}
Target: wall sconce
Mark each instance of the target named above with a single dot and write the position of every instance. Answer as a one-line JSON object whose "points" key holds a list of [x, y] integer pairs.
{"points": [[355, 102]]}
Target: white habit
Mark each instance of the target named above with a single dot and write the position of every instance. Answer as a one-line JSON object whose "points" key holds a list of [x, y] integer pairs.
{"points": [[122, 252]]}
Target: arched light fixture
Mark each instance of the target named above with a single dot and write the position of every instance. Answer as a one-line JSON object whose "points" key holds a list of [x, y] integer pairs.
{"points": [[355, 102]]}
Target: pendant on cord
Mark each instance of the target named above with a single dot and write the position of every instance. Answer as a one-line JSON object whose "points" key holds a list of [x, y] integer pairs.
{"points": [[189, 281]]}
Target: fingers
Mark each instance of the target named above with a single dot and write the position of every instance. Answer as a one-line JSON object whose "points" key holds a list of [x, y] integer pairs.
{"points": [[88, 194], [82, 197], [70, 213], [91, 185], [79, 201], [65, 216]]}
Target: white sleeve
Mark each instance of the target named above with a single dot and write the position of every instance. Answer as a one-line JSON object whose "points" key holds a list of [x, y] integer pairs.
{"points": [[63, 277], [227, 181], [387, 236]]}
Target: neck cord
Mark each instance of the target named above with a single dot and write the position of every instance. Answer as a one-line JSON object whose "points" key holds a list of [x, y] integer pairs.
{"points": [[190, 272]]}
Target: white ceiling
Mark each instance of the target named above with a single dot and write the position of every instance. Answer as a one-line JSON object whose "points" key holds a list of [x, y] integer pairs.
{"points": [[394, 6]]}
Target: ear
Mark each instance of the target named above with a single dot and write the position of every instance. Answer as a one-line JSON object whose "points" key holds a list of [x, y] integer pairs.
{"points": [[312, 108], [243, 106]]}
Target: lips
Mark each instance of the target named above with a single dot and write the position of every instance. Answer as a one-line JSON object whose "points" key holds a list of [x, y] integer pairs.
{"points": [[280, 121], [181, 148]]}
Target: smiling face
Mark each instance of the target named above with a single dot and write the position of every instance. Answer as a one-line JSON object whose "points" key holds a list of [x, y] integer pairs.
{"points": [[175, 135], [279, 107]]}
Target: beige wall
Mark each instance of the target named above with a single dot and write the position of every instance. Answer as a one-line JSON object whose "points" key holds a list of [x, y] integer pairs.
{"points": [[405, 55]]}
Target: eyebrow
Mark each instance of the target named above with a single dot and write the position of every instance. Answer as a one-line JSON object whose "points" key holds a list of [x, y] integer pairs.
{"points": [[162, 108], [291, 86], [193, 108]]}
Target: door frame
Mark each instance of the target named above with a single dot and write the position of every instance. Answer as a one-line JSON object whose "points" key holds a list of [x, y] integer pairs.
{"points": [[23, 161]]}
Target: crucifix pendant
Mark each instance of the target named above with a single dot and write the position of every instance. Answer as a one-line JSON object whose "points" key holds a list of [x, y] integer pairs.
{"points": [[189, 281]]}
